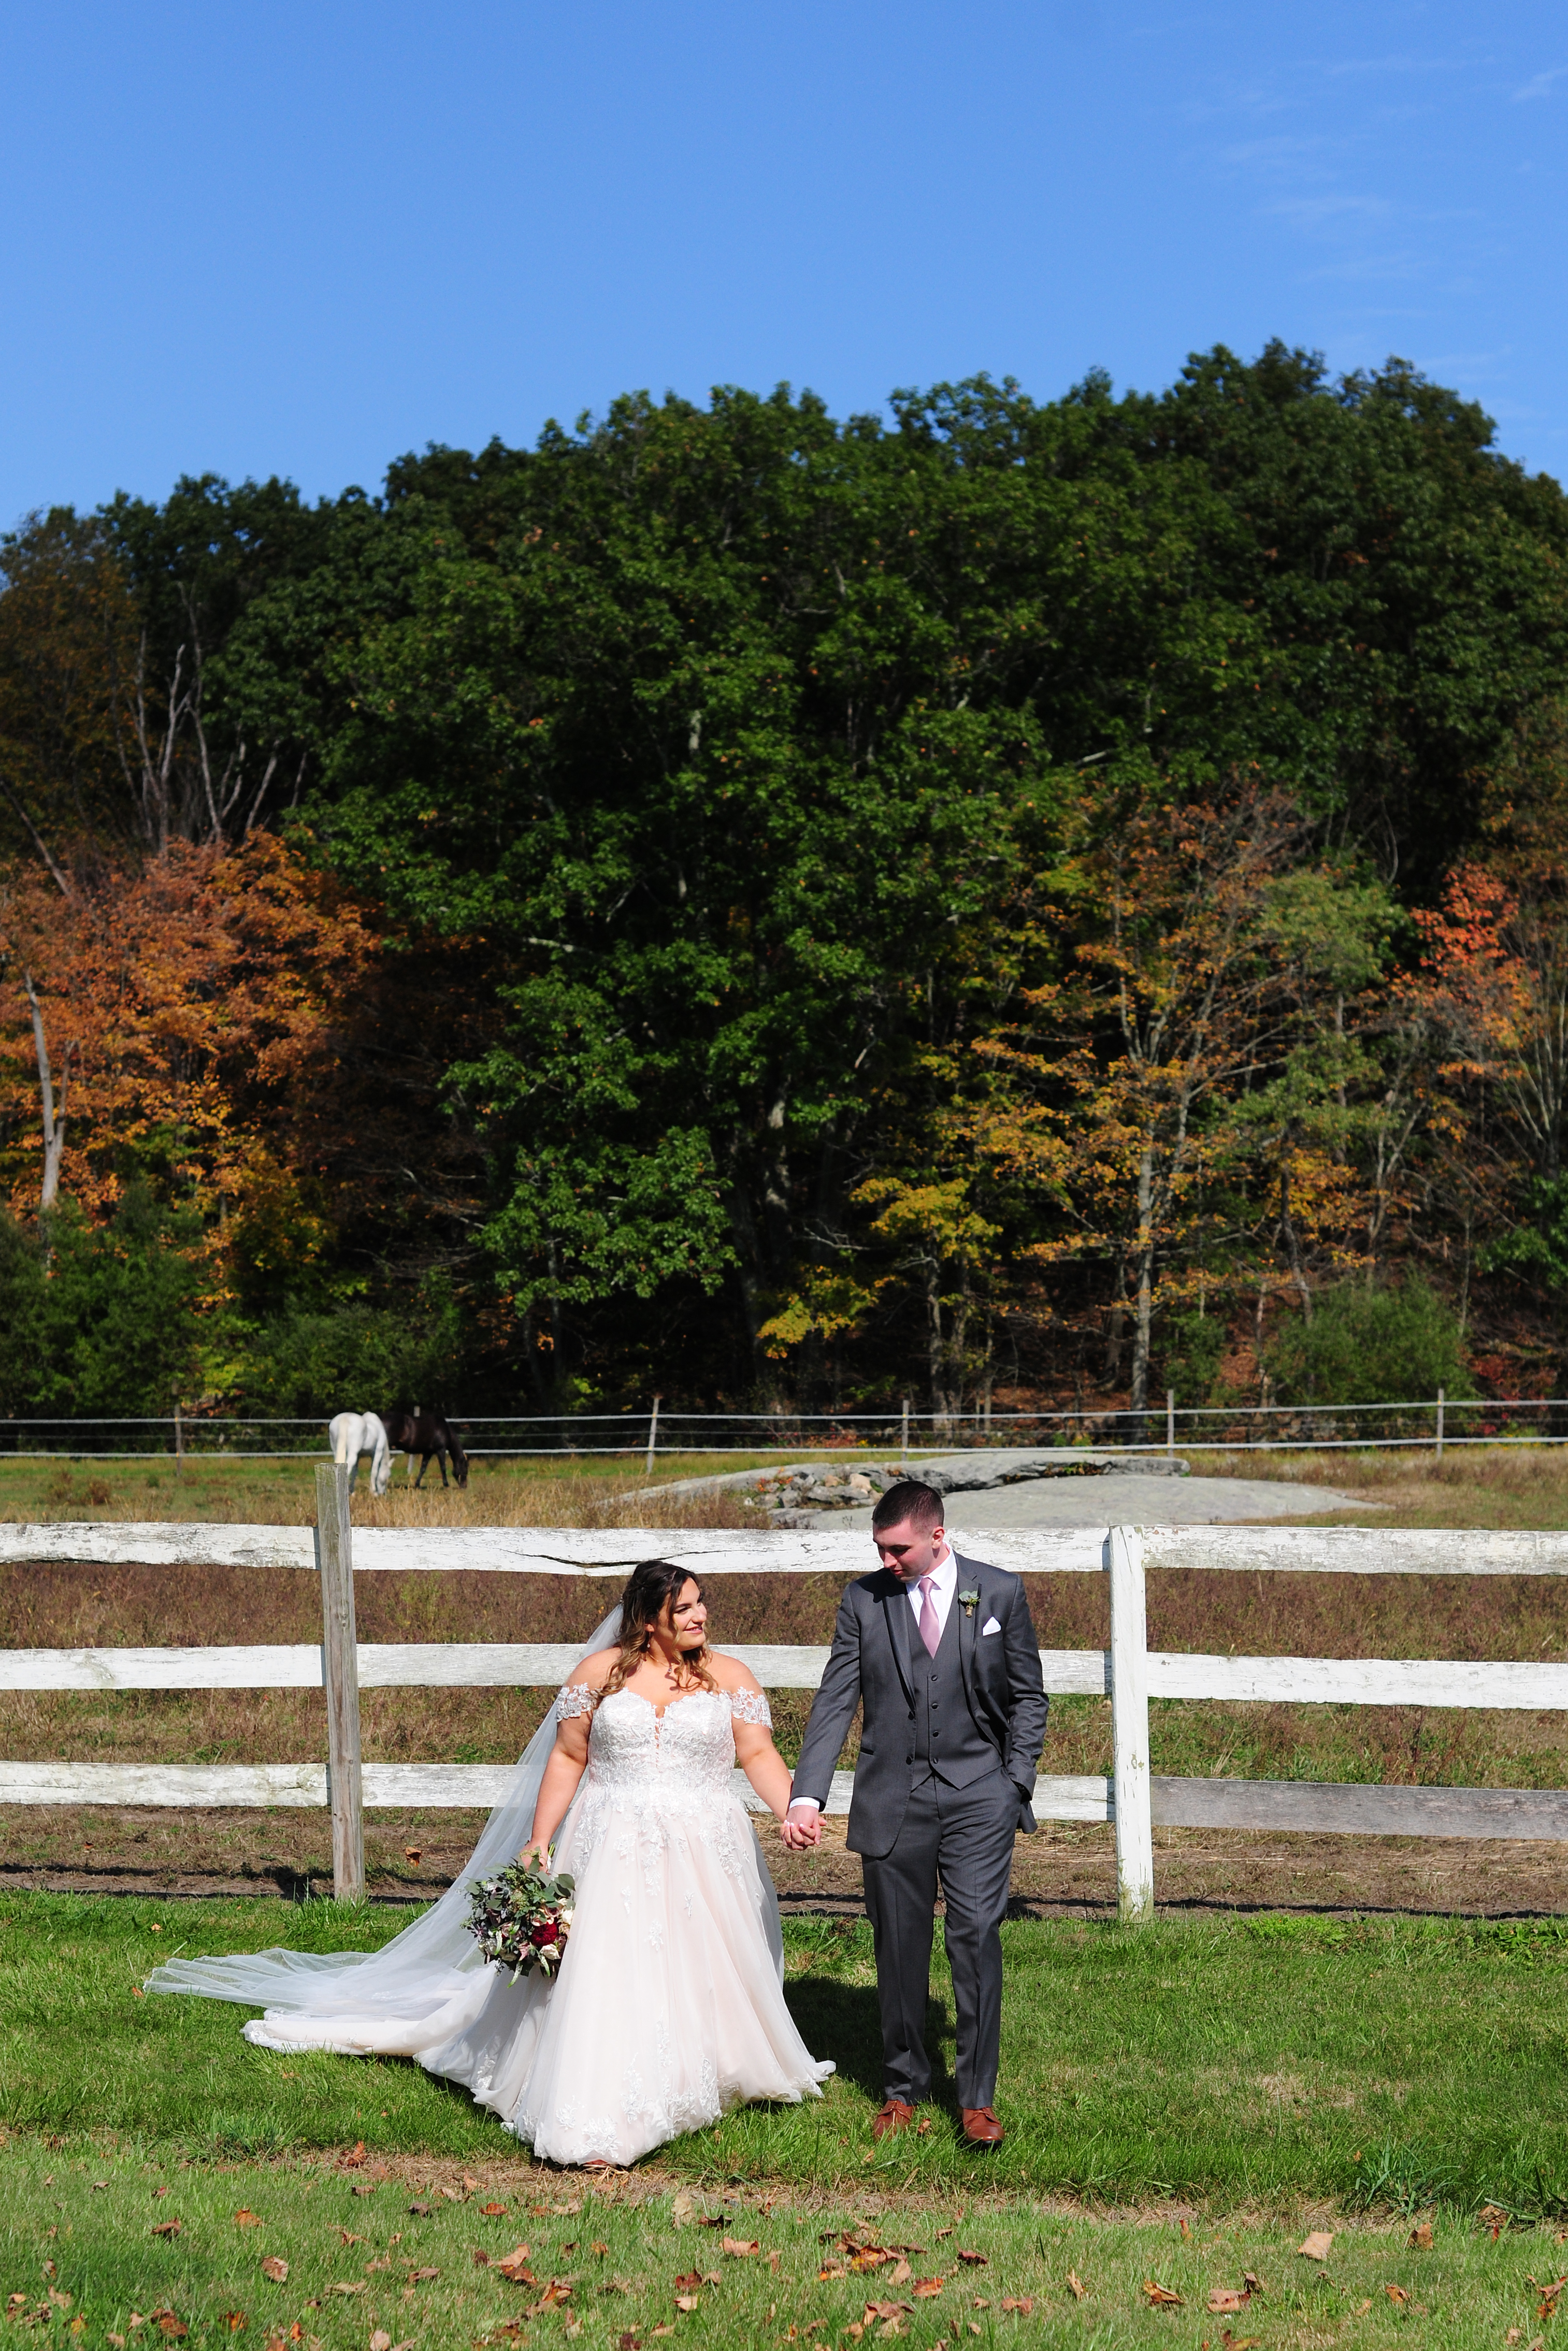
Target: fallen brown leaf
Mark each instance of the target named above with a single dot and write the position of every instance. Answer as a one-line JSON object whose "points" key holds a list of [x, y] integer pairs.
{"points": [[827, 2270], [166, 2228], [688, 2301], [1160, 2296], [899, 2275], [1315, 2246], [1224, 2301], [494, 2211], [234, 2320], [356, 2155], [925, 2287], [976, 2261], [886, 2310], [174, 2328], [1252, 2283], [740, 2246], [1076, 2286], [363, 2187], [1021, 2304], [275, 2269], [246, 2219], [1421, 2236]]}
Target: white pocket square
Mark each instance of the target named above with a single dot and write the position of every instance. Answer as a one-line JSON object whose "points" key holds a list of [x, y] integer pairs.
{"points": [[990, 1626]]}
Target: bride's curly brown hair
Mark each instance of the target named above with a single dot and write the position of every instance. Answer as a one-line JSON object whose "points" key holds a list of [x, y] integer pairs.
{"points": [[651, 1588]]}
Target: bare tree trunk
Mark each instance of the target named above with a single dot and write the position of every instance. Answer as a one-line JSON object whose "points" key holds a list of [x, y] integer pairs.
{"points": [[1143, 1324], [1298, 1272], [39, 843], [936, 1349], [54, 1125], [1115, 1326]]}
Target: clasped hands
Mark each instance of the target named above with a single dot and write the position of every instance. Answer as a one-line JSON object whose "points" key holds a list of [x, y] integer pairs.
{"points": [[801, 1827]]}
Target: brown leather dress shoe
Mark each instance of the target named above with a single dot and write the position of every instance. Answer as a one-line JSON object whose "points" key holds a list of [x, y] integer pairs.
{"points": [[895, 2115], [981, 2127]]}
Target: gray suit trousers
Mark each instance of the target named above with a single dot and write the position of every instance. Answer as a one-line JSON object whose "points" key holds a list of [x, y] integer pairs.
{"points": [[965, 1837]]}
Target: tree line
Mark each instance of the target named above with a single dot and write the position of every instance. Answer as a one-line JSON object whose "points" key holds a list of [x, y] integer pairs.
{"points": [[1003, 900]]}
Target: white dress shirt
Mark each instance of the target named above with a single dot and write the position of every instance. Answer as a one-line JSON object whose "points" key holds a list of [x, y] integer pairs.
{"points": [[944, 1585]]}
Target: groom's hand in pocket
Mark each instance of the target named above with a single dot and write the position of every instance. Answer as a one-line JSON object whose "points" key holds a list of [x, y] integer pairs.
{"points": [[800, 1827]]}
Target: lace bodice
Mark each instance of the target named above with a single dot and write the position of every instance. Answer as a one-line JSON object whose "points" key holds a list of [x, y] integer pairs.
{"points": [[685, 1751]]}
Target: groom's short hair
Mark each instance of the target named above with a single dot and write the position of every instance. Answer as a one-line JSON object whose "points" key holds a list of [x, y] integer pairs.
{"points": [[909, 1502]]}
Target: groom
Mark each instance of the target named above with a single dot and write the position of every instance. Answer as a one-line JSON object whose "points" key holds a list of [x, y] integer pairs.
{"points": [[943, 1654]]}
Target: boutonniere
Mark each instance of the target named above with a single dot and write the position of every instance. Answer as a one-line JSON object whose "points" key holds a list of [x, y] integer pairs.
{"points": [[968, 1602]]}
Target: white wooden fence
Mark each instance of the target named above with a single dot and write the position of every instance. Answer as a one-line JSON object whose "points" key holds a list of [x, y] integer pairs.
{"points": [[1129, 1673]]}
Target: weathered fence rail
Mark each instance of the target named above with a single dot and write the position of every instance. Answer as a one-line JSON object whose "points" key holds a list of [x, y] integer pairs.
{"points": [[1134, 1798]]}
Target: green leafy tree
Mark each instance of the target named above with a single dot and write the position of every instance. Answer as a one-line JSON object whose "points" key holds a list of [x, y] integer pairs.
{"points": [[1370, 1347]]}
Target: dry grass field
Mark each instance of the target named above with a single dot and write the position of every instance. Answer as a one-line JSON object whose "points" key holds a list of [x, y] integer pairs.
{"points": [[1064, 1867]]}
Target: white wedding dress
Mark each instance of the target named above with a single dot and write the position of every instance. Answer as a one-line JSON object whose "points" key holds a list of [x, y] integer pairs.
{"points": [[669, 2005]]}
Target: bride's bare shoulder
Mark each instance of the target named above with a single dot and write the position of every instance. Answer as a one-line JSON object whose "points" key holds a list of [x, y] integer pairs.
{"points": [[593, 1672], [729, 1672]]}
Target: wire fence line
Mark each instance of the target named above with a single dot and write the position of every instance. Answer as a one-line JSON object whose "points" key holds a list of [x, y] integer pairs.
{"points": [[1429, 1423]]}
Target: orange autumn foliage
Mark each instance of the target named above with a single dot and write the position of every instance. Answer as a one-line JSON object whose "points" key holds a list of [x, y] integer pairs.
{"points": [[190, 1008]]}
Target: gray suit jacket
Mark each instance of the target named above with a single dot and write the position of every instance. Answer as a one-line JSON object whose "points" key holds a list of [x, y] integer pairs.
{"points": [[872, 1661]]}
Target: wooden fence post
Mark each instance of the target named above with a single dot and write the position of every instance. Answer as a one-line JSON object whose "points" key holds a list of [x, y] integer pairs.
{"points": [[653, 1435], [1170, 1420], [904, 1433], [1440, 1403], [1130, 1726], [340, 1672]]}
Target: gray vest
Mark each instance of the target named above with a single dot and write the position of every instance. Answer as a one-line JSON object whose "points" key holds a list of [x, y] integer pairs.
{"points": [[947, 1743]]}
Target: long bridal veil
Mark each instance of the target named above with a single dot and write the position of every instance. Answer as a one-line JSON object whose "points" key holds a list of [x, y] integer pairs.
{"points": [[423, 1986], [416, 1988]]}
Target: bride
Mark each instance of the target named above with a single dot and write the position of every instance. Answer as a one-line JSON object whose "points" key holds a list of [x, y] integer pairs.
{"points": [[668, 2007]]}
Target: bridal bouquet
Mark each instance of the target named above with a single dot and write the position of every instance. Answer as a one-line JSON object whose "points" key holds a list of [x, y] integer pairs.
{"points": [[522, 1917]]}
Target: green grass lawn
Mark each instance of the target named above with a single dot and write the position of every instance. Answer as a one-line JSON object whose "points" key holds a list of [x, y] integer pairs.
{"points": [[417, 2261], [1235, 2059], [1183, 2100]]}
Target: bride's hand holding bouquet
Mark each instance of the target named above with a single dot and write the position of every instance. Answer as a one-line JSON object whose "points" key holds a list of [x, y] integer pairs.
{"points": [[522, 1917]]}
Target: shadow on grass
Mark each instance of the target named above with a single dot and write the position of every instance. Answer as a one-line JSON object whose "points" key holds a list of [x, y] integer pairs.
{"points": [[843, 2022]]}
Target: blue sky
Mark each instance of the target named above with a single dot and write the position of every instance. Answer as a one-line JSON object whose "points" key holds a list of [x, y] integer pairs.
{"points": [[304, 238]]}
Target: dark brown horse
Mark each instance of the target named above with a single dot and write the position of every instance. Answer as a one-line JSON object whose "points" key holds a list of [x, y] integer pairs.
{"points": [[425, 1432]]}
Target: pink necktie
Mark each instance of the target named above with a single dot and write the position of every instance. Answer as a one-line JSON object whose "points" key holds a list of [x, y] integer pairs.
{"points": [[930, 1630]]}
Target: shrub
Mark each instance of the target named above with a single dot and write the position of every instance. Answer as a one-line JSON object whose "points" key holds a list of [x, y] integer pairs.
{"points": [[1370, 1346], [97, 1319], [1194, 1344], [357, 1358]]}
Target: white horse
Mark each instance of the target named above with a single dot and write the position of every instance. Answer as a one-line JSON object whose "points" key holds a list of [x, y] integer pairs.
{"points": [[354, 1433]]}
